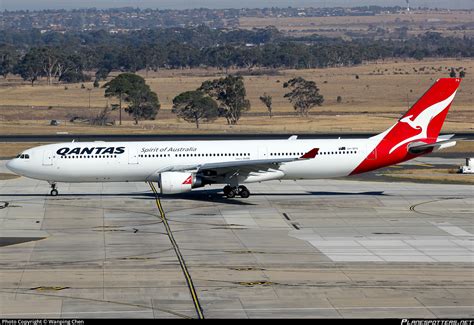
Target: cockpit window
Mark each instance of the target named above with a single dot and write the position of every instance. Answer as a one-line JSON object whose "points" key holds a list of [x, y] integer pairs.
{"points": [[27, 156], [23, 156]]}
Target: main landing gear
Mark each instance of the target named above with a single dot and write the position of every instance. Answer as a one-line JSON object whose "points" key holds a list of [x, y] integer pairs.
{"points": [[54, 191], [232, 191]]}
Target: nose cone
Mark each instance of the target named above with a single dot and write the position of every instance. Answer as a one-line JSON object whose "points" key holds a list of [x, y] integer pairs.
{"points": [[11, 165]]}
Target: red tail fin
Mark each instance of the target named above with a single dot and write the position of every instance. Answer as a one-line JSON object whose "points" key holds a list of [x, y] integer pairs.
{"points": [[426, 117], [422, 122]]}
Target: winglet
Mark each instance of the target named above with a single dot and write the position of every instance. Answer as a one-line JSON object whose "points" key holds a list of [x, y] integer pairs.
{"points": [[293, 137], [310, 154]]}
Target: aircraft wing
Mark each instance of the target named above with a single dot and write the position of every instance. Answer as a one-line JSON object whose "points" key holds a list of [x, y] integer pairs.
{"points": [[224, 167]]}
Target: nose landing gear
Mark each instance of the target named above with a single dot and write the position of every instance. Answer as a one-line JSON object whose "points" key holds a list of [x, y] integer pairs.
{"points": [[232, 191], [54, 191]]}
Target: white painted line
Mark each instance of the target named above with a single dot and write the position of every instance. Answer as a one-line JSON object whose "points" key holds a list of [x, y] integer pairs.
{"points": [[452, 230], [340, 249]]}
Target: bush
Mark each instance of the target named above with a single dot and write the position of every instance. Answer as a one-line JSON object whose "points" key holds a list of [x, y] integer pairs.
{"points": [[102, 74], [452, 74], [74, 77]]}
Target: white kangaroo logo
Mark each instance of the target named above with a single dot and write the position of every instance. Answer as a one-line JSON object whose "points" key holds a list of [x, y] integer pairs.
{"points": [[422, 121]]}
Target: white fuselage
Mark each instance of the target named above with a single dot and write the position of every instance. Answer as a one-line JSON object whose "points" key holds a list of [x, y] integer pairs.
{"points": [[142, 161], [180, 166]]}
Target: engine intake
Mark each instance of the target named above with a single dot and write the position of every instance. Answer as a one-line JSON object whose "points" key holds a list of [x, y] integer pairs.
{"points": [[178, 182]]}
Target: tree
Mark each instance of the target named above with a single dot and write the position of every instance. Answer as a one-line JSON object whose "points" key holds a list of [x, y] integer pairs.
{"points": [[143, 103], [30, 67], [452, 74], [72, 64], [8, 60], [49, 59], [102, 73], [230, 93], [304, 94], [131, 88], [267, 100], [118, 87], [74, 77], [195, 106]]}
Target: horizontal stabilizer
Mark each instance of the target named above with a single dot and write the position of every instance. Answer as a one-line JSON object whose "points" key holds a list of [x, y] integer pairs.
{"points": [[420, 147]]}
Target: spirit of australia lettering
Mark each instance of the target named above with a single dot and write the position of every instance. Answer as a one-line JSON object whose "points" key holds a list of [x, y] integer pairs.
{"points": [[168, 149]]}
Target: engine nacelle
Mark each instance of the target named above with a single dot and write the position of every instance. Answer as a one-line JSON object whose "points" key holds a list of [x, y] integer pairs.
{"points": [[177, 182]]}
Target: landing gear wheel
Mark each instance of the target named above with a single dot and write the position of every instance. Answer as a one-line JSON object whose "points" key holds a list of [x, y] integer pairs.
{"points": [[243, 192], [54, 191], [231, 194], [227, 189]]}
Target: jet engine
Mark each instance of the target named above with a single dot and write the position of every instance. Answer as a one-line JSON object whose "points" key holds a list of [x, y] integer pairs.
{"points": [[178, 182]]}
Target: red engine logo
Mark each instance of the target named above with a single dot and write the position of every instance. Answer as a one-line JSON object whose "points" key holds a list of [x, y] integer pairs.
{"points": [[188, 181]]}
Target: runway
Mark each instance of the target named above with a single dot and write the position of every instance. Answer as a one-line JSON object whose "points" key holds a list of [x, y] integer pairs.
{"points": [[315, 248]]}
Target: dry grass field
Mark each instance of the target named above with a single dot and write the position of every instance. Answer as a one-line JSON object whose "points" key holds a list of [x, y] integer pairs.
{"points": [[371, 102], [448, 23], [11, 149], [435, 175]]}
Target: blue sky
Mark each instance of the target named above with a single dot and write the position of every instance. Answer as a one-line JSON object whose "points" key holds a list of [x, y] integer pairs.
{"points": [[181, 4]]}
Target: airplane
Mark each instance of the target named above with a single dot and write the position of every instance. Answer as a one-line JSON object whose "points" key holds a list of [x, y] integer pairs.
{"points": [[180, 166]]}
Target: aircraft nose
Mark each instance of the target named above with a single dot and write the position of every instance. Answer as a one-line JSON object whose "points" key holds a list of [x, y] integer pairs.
{"points": [[11, 165]]}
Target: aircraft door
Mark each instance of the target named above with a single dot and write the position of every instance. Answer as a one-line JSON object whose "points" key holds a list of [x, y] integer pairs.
{"points": [[132, 156], [47, 158]]}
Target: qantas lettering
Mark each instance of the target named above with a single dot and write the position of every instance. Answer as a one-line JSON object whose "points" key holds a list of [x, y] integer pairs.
{"points": [[91, 151]]}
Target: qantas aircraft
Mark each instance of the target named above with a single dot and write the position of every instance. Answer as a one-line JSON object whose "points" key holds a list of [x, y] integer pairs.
{"points": [[179, 167]]}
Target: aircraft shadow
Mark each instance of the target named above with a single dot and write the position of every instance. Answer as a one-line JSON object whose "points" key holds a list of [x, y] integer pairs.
{"points": [[318, 193], [204, 195], [215, 196]]}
